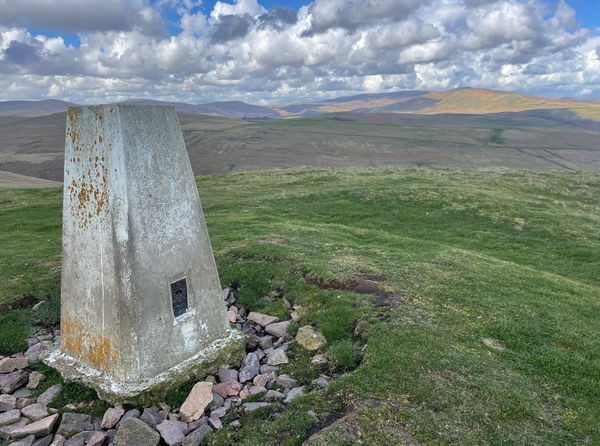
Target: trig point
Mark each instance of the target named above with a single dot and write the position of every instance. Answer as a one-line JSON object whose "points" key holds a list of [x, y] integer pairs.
{"points": [[141, 299]]}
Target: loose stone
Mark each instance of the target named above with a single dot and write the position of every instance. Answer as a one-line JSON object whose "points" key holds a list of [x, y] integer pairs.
{"points": [[277, 357], [74, 423], [151, 417], [262, 319], [293, 393], [45, 441], [97, 439], [134, 432], [24, 402], [264, 380], [39, 428], [7, 402], [195, 437], [320, 382], [273, 396], [286, 381], [8, 365], [10, 417], [266, 342], [58, 440], [215, 422], [9, 382], [34, 380], [249, 407], [226, 375], [231, 388], [319, 359], [250, 367], [111, 417], [172, 432], [48, 396], [35, 412], [278, 329], [24, 442], [310, 339], [194, 405], [216, 402], [23, 392], [79, 439]]}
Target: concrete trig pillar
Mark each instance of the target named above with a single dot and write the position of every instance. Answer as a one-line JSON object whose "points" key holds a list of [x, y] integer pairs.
{"points": [[141, 306]]}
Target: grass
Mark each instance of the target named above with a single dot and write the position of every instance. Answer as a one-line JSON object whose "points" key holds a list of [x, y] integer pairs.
{"points": [[466, 255]]}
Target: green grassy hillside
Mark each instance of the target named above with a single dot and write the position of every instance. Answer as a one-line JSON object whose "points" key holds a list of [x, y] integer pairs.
{"points": [[485, 328]]}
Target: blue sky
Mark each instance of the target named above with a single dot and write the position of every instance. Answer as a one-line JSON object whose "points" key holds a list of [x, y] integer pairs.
{"points": [[277, 52]]}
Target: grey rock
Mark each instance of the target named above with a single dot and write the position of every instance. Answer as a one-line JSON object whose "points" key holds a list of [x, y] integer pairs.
{"points": [[48, 396], [44, 441], [10, 417], [7, 402], [220, 412], [58, 440], [97, 439], [286, 381], [6, 431], [38, 429], [35, 412], [131, 413], [249, 407], [320, 382], [273, 396], [293, 393], [23, 392], [79, 439], [278, 357], [37, 351], [266, 368], [151, 417], [9, 382], [226, 375], [195, 437], [74, 423], [134, 432], [264, 379], [34, 380], [257, 389], [215, 422], [266, 342], [24, 402], [28, 441], [111, 417], [250, 367], [217, 401], [172, 432], [11, 364], [278, 329]]}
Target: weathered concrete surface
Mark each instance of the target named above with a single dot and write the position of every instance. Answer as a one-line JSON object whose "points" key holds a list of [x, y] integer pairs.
{"points": [[132, 226]]}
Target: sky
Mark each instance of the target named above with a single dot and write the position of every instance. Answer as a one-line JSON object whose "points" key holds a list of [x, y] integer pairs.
{"points": [[277, 52]]}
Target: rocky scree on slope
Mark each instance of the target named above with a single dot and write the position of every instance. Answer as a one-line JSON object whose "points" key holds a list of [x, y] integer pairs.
{"points": [[256, 383]]}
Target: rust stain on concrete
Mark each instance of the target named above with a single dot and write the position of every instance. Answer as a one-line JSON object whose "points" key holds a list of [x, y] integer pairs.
{"points": [[97, 351]]}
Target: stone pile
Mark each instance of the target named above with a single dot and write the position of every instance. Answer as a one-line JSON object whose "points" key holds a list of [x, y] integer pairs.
{"points": [[256, 383]]}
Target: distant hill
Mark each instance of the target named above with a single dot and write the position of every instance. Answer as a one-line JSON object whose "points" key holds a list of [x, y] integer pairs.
{"points": [[32, 109], [458, 101], [227, 109]]}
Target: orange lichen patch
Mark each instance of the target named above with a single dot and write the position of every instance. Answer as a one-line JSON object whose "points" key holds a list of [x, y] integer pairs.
{"points": [[72, 131], [95, 350], [88, 194], [98, 112]]}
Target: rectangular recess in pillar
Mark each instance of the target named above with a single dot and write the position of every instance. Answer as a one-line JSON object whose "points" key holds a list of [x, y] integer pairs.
{"points": [[179, 297]]}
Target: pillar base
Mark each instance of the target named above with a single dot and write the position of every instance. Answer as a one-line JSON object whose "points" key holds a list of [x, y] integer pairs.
{"points": [[223, 352]]}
